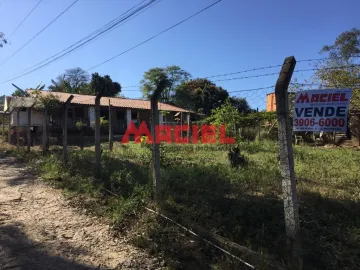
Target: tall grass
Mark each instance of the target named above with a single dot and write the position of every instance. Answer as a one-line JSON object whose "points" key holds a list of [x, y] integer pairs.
{"points": [[244, 204]]}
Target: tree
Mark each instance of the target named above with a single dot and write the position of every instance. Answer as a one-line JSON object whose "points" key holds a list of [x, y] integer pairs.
{"points": [[240, 104], [74, 80], [227, 114], [174, 76], [342, 68], [2, 39], [104, 85], [200, 95]]}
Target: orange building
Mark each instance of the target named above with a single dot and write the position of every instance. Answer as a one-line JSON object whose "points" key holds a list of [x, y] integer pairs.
{"points": [[270, 102]]}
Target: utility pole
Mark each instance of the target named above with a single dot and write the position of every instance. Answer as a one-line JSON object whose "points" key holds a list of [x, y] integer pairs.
{"points": [[287, 164]]}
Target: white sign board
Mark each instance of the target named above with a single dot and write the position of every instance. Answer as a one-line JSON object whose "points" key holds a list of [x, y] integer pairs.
{"points": [[322, 110]]}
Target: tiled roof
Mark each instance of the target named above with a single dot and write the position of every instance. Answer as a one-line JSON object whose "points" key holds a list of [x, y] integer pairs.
{"points": [[114, 101]]}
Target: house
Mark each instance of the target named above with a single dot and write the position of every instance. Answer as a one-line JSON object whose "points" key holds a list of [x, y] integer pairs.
{"points": [[82, 110]]}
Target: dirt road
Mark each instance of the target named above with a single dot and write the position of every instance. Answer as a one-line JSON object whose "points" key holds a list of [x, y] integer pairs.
{"points": [[40, 230]]}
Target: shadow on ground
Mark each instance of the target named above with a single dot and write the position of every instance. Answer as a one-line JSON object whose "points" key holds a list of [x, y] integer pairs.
{"points": [[18, 252]]}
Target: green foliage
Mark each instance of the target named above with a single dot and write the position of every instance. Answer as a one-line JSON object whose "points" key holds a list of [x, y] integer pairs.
{"points": [[200, 95], [46, 101], [227, 115], [104, 85], [171, 76], [240, 104], [74, 81], [342, 54], [77, 81], [103, 122], [242, 204]]}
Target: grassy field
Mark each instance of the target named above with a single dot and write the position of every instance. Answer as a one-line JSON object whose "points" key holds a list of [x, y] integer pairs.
{"points": [[201, 190]]}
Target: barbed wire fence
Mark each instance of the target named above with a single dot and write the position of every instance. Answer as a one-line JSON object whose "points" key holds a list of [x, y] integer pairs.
{"points": [[302, 227]]}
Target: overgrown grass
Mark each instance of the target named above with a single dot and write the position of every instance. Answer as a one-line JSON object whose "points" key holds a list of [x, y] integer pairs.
{"points": [[243, 205]]}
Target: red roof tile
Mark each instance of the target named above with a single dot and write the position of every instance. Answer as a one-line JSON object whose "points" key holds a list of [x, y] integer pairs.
{"points": [[114, 101]]}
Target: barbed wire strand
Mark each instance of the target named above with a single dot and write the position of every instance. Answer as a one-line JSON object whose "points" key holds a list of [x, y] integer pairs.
{"points": [[191, 232]]}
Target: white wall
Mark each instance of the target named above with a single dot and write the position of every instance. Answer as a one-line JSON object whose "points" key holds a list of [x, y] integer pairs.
{"points": [[91, 112], [36, 118]]}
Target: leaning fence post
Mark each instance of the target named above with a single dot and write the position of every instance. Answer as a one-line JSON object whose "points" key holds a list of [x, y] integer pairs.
{"points": [[97, 137], [65, 126], [287, 163]]}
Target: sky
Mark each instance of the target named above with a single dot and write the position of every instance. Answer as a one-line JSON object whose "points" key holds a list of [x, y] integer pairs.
{"points": [[231, 36]]}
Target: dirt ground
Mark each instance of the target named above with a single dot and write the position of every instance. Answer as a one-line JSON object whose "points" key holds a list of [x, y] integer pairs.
{"points": [[39, 229]]}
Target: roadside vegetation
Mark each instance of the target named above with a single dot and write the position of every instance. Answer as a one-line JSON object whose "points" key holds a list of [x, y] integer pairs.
{"points": [[204, 192]]}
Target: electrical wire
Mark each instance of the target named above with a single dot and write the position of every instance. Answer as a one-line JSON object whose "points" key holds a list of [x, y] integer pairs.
{"points": [[86, 41], [27, 16], [107, 28], [160, 33], [42, 30]]}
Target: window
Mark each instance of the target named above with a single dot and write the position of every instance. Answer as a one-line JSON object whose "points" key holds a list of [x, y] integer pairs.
{"points": [[70, 113], [120, 115], [79, 112]]}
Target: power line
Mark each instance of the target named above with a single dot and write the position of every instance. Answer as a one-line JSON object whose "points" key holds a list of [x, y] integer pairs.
{"points": [[253, 89], [277, 73], [102, 30], [130, 86], [27, 16], [263, 75], [162, 32], [248, 77], [243, 71], [127, 17], [42, 30]]}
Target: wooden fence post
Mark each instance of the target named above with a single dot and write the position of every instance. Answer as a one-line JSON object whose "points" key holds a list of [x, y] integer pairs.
{"points": [[110, 128], [188, 124], [3, 128], [17, 128], [65, 130], [97, 137], [28, 128], [155, 151], [44, 135], [287, 164], [9, 126]]}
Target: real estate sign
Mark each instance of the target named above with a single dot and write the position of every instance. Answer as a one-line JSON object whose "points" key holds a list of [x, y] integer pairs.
{"points": [[321, 110]]}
